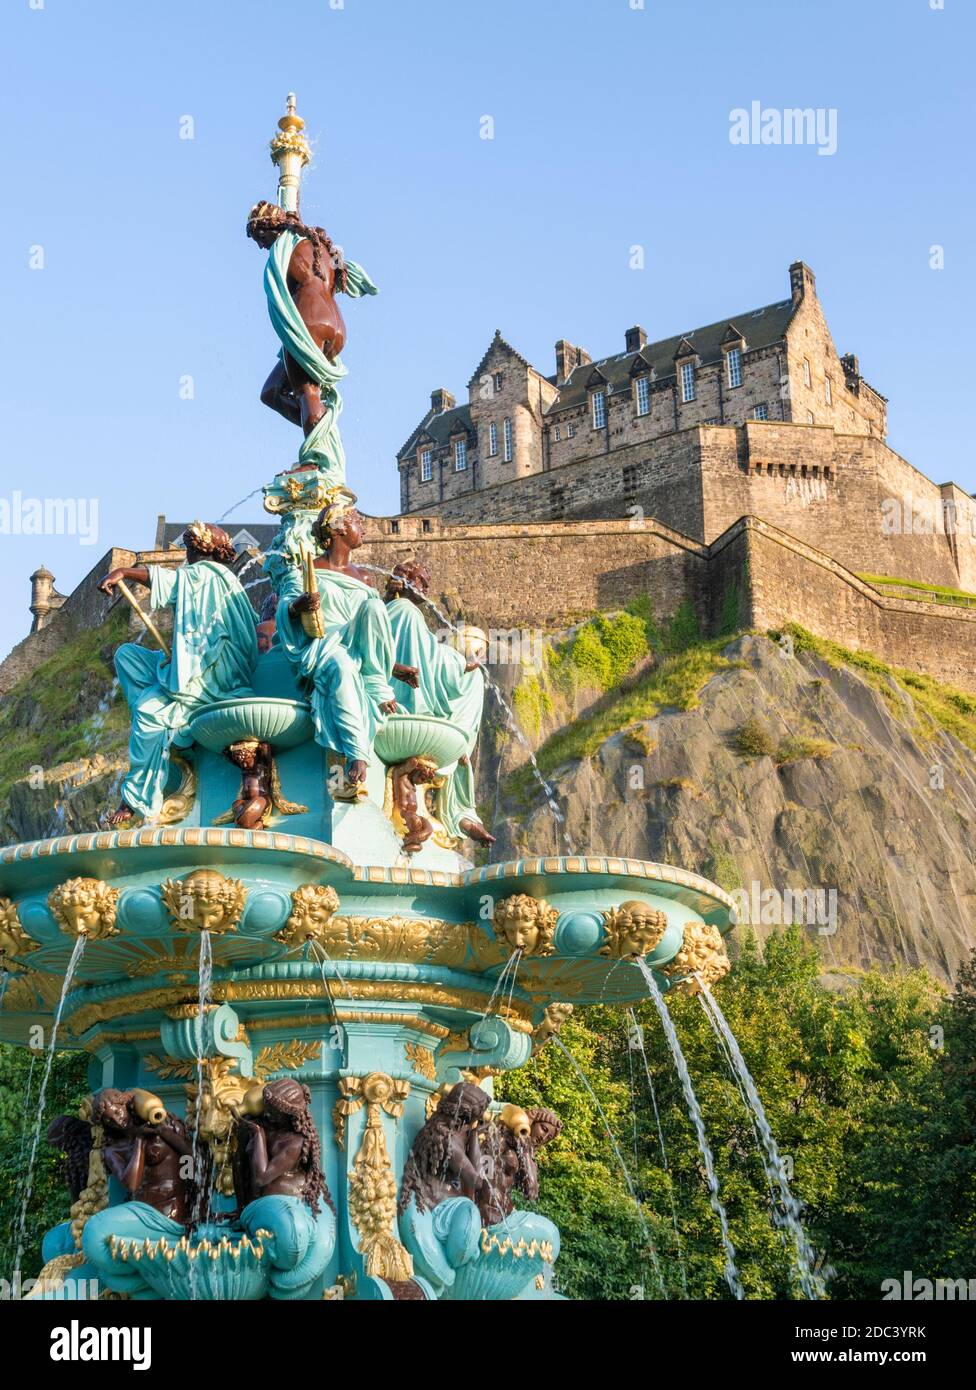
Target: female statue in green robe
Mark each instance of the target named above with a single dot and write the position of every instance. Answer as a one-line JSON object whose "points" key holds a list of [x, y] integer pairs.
{"points": [[346, 672], [214, 654], [450, 683]]}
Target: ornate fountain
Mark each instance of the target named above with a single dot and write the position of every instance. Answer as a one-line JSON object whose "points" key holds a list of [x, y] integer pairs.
{"points": [[294, 986]]}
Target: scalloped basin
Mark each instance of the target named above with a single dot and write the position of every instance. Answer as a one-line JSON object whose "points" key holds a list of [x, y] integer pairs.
{"points": [[283, 723], [419, 736]]}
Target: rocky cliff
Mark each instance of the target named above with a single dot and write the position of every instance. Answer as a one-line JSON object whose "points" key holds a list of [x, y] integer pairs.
{"points": [[819, 784]]}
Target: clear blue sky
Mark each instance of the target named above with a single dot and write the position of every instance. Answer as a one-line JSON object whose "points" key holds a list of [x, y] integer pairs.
{"points": [[611, 129]]}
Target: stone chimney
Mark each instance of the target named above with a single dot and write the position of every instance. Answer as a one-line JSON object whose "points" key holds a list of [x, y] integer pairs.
{"points": [[567, 358], [441, 399], [634, 338], [802, 280]]}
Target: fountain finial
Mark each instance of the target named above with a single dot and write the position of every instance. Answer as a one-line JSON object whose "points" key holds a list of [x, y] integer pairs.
{"points": [[290, 152]]}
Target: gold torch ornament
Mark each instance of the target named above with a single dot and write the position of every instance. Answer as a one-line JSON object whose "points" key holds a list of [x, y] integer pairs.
{"points": [[312, 623]]}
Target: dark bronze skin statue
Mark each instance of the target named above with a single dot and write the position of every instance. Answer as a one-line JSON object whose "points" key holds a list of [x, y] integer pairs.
{"points": [[73, 1137], [316, 274], [509, 1151], [278, 1151], [145, 1148], [213, 544], [255, 800], [446, 1159], [407, 777]]}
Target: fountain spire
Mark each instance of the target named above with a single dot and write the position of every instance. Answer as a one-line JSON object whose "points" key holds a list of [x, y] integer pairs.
{"points": [[290, 152]]}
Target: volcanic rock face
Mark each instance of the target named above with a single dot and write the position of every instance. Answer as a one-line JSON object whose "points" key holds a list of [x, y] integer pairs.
{"points": [[857, 821]]}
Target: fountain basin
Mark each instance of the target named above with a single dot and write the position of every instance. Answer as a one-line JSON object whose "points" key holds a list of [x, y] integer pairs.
{"points": [[419, 736], [282, 723]]}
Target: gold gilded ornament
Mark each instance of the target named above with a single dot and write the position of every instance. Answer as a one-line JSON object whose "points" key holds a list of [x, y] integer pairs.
{"points": [[702, 955], [14, 941], [372, 1192], [204, 901], [526, 924], [313, 907], [631, 930], [85, 907]]}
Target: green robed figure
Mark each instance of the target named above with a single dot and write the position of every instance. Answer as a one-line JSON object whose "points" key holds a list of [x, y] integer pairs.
{"points": [[347, 671], [450, 683], [214, 654]]}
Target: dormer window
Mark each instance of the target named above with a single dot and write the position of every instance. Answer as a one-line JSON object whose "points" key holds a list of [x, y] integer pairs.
{"points": [[460, 455], [642, 395], [598, 404], [508, 442], [426, 465], [687, 381], [734, 359], [492, 439]]}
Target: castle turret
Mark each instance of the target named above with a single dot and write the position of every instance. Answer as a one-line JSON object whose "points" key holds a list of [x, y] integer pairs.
{"points": [[45, 599]]}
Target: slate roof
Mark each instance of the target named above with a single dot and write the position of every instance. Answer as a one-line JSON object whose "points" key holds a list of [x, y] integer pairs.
{"points": [[439, 426], [759, 327]]}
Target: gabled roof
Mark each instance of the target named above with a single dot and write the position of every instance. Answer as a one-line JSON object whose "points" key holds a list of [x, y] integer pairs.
{"points": [[498, 342], [760, 328], [438, 428]]}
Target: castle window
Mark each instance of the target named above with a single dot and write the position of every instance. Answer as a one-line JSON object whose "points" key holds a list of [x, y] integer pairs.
{"points": [[497, 381], [688, 381], [734, 359], [555, 433], [828, 391], [809, 417], [643, 396], [493, 439], [394, 528], [460, 455], [425, 526], [599, 407], [508, 442], [570, 431], [761, 412], [806, 371], [426, 466]]}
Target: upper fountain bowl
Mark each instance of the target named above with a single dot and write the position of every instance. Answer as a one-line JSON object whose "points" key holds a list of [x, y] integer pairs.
{"points": [[282, 723], [419, 736]]}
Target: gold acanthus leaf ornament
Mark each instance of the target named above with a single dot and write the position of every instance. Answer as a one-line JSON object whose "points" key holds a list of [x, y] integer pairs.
{"points": [[526, 924], [631, 930], [372, 1190], [703, 958], [204, 900], [85, 907], [14, 941]]}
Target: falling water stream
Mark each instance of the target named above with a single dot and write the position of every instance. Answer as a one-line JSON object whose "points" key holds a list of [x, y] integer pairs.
{"points": [[694, 1111], [637, 1034], [810, 1282], [651, 1247], [76, 955]]}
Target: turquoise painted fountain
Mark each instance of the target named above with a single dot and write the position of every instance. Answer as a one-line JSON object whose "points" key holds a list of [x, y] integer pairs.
{"points": [[294, 986]]}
